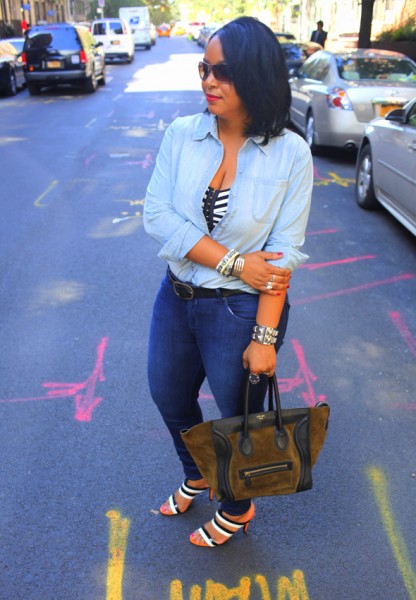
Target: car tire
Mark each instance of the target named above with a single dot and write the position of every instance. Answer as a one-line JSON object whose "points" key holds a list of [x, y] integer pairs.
{"points": [[12, 84], [364, 183], [102, 80], [148, 46], [310, 131], [131, 59], [91, 83], [33, 89]]}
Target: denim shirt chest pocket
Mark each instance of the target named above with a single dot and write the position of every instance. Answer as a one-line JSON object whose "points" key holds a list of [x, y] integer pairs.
{"points": [[266, 196]]}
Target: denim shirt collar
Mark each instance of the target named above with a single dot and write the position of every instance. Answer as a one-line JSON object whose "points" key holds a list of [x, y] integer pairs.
{"points": [[208, 126]]}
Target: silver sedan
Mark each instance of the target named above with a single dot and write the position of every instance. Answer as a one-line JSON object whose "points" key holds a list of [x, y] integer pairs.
{"points": [[335, 95], [386, 165]]}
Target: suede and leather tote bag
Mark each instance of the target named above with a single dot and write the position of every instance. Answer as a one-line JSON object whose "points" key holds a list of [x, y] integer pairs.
{"points": [[260, 454]]}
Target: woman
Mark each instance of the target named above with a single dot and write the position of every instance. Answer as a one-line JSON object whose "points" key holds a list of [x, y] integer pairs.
{"points": [[228, 202]]}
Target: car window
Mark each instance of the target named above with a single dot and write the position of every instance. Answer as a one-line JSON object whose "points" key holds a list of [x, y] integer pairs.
{"points": [[64, 38], [99, 28], [378, 69], [315, 68], [412, 117], [116, 27]]}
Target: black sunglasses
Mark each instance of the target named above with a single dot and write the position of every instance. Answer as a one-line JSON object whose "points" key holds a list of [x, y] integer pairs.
{"points": [[220, 71]]}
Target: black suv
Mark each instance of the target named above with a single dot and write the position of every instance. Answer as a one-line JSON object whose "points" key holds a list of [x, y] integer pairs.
{"points": [[62, 53]]}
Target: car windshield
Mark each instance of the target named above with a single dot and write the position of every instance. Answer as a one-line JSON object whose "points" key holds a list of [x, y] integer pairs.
{"points": [[376, 69], [53, 37]]}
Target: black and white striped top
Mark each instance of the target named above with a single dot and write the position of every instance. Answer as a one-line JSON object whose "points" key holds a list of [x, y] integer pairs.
{"points": [[214, 206]]}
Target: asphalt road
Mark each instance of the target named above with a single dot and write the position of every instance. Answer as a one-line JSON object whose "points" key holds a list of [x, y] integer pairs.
{"points": [[85, 458]]}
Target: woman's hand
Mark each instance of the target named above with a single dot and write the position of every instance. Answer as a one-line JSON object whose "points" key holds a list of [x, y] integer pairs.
{"points": [[259, 358], [258, 271]]}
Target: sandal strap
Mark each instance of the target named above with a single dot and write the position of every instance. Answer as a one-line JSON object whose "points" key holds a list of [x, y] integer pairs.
{"points": [[220, 519], [216, 525], [173, 506], [189, 492], [206, 537]]}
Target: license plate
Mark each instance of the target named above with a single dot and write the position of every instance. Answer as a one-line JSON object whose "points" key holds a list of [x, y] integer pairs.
{"points": [[384, 109], [115, 42], [53, 64]]}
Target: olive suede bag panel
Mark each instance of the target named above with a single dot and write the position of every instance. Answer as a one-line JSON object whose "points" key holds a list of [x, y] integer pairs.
{"points": [[260, 454]]}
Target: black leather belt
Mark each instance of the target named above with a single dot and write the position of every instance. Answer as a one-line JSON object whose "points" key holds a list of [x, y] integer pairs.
{"points": [[188, 292]]}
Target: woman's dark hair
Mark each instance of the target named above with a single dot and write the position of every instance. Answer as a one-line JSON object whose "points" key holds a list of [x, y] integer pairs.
{"points": [[259, 72]]}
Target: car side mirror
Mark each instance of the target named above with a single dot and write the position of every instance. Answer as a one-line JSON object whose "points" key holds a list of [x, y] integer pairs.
{"points": [[395, 115], [99, 44]]}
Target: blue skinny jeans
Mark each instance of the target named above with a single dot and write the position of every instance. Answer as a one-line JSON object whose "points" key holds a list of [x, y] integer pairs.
{"points": [[191, 340]]}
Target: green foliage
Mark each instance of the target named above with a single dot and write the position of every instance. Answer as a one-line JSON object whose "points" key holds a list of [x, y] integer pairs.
{"points": [[406, 32]]}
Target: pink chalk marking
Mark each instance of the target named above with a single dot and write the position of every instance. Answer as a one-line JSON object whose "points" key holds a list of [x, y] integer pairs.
{"points": [[404, 331], [321, 232], [358, 288], [145, 163], [317, 176], [303, 376], [89, 159], [85, 402], [343, 261]]}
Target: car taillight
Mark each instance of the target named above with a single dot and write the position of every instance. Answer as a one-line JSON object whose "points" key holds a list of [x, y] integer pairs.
{"points": [[83, 57], [23, 58], [338, 98]]}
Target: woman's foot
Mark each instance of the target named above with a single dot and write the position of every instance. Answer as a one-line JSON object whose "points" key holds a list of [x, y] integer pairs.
{"points": [[180, 501], [221, 528]]}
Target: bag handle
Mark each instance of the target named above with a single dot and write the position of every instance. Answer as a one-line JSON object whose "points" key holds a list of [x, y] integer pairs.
{"points": [[273, 392]]}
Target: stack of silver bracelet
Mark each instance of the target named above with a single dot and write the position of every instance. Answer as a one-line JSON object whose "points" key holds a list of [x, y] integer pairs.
{"points": [[231, 264], [264, 335]]}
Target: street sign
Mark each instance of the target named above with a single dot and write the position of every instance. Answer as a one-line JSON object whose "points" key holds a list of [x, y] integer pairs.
{"points": [[101, 3]]}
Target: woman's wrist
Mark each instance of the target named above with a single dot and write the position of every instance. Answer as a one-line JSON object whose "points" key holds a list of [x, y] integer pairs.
{"points": [[267, 336]]}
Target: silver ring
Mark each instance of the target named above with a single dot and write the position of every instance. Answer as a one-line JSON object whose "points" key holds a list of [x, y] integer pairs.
{"points": [[254, 379], [269, 285], [273, 277]]}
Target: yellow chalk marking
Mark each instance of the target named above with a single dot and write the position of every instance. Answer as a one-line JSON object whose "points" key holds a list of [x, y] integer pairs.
{"points": [[48, 189], [119, 529], [287, 589], [396, 540], [342, 181], [295, 589]]}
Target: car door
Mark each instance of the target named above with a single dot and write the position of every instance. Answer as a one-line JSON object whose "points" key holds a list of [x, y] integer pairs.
{"points": [[396, 164], [309, 90]]}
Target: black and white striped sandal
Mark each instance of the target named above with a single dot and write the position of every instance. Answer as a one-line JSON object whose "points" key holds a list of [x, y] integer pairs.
{"points": [[224, 525], [186, 491]]}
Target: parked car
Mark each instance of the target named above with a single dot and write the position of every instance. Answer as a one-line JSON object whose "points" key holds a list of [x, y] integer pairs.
{"points": [[11, 69], [116, 37], [17, 42], [163, 30], [292, 51], [205, 33], [334, 95], [386, 165], [61, 53], [153, 33]]}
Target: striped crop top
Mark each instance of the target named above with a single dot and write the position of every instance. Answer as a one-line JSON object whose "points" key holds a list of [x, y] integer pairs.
{"points": [[214, 206]]}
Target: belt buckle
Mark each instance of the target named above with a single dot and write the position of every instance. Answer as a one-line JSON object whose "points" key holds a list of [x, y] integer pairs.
{"points": [[178, 286]]}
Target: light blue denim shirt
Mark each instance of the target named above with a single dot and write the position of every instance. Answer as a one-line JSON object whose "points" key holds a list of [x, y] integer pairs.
{"points": [[268, 205]]}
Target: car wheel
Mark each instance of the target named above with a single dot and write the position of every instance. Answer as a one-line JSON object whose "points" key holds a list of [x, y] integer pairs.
{"points": [[310, 131], [12, 85], [364, 184], [148, 47], [102, 80], [33, 89], [131, 59], [91, 83]]}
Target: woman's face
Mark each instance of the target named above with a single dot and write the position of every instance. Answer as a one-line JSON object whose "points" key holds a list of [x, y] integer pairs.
{"points": [[223, 100]]}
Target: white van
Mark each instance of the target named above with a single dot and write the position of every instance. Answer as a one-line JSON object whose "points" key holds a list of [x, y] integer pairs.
{"points": [[139, 20], [116, 36]]}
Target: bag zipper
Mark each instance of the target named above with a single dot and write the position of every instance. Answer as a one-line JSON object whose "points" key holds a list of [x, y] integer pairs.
{"points": [[247, 474]]}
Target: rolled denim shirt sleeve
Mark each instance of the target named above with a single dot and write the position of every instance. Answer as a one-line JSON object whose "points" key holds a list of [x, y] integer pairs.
{"points": [[288, 232], [175, 233]]}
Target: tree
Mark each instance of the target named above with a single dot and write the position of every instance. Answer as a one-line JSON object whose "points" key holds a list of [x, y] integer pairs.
{"points": [[364, 36]]}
